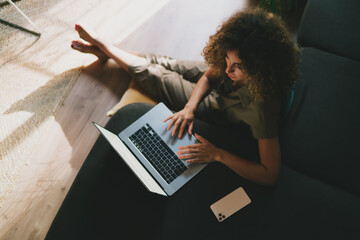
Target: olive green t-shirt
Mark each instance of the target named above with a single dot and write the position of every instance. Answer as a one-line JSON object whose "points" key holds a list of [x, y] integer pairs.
{"points": [[239, 106]]}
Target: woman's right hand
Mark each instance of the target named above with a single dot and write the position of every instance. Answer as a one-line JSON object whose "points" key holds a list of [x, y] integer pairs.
{"points": [[181, 120]]}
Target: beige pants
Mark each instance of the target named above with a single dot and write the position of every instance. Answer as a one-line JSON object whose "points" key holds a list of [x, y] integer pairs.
{"points": [[172, 82]]}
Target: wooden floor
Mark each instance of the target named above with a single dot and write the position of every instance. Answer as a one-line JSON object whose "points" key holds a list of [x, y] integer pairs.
{"points": [[180, 29]]}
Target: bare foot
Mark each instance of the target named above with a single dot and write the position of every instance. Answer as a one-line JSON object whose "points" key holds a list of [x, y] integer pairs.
{"points": [[88, 35], [89, 48]]}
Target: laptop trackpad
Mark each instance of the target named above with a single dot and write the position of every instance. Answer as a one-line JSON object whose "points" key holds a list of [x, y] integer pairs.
{"points": [[173, 141]]}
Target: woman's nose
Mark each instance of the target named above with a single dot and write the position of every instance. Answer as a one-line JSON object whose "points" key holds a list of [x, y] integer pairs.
{"points": [[229, 69]]}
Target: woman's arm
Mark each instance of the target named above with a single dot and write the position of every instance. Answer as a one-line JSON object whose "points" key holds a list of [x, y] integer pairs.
{"points": [[266, 172], [186, 116], [202, 89]]}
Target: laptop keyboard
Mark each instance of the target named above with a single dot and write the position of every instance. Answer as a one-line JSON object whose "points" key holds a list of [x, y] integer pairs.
{"points": [[157, 152]]}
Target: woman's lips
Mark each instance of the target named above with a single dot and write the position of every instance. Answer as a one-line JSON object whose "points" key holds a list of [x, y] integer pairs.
{"points": [[230, 76]]}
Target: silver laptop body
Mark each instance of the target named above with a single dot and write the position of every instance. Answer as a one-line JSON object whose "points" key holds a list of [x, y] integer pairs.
{"points": [[153, 175]]}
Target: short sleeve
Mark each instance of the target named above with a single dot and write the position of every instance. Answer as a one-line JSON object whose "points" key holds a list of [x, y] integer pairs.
{"points": [[265, 121], [263, 118], [240, 107]]}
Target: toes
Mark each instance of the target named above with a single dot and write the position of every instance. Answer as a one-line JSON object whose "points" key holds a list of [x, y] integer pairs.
{"points": [[78, 27], [89, 48], [76, 45], [82, 32], [86, 33], [82, 47]]}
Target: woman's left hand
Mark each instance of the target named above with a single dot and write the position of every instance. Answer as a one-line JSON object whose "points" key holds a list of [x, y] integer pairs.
{"points": [[199, 152]]}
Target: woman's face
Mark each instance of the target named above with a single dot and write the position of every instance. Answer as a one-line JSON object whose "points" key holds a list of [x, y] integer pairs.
{"points": [[233, 68]]}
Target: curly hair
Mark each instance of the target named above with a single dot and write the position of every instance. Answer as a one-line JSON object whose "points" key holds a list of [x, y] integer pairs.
{"points": [[269, 56]]}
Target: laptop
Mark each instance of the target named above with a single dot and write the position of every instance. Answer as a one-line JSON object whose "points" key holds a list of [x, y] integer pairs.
{"points": [[150, 152]]}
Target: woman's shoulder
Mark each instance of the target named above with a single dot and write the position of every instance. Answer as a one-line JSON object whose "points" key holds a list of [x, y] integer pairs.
{"points": [[272, 104], [265, 117]]}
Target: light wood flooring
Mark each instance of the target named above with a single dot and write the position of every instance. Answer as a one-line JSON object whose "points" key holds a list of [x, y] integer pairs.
{"points": [[180, 29]]}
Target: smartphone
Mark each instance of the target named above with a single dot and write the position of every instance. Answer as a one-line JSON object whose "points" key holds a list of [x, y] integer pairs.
{"points": [[230, 204]]}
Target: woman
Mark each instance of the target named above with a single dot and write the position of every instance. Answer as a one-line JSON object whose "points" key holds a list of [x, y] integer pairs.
{"points": [[251, 64]]}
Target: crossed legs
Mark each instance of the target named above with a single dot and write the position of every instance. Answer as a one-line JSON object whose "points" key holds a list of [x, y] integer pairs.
{"points": [[96, 45], [168, 80]]}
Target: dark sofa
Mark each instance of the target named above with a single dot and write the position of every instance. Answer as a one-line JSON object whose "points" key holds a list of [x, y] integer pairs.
{"points": [[317, 195]]}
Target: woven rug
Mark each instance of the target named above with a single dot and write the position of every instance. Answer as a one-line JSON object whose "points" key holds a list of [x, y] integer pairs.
{"points": [[36, 73]]}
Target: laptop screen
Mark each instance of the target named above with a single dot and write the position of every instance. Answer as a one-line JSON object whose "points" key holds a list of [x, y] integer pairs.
{"points": [[131, 161]]}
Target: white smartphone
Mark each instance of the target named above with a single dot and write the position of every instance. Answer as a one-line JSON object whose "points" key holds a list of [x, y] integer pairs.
{"points": [[230, 204]]}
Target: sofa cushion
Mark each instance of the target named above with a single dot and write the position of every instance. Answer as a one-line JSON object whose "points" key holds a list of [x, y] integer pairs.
{"points": [[301, 207], [320, 136], [96, 207], [332, 26], [298, 207]]}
